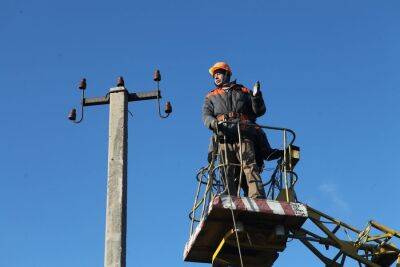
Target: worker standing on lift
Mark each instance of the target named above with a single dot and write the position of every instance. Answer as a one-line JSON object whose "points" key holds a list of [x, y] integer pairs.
{"points": [[224, 107]]}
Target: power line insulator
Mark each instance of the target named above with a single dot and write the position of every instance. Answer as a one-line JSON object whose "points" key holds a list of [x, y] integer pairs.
{"points": [[157, 76], [120, 81], [82, 84]]}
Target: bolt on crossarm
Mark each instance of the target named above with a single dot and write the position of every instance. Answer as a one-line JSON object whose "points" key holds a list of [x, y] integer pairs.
{"points": [[116, 214]]}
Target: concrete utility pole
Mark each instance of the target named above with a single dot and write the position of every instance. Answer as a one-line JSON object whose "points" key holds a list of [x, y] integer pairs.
{"points": [[115, 246], [116, 214]]}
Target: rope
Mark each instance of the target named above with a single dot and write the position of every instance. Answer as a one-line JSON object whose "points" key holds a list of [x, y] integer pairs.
{"points": [[231, 206], [241, 159]]}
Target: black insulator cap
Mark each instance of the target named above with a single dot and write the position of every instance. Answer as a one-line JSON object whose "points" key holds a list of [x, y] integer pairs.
{"points": [[157, 76], [82, 84], [72, 115], [120, 81], [168, 108]]}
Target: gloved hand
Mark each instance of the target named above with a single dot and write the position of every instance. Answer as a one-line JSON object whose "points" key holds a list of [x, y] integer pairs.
{"points": [[218, 126], [222, 126], [256, 88], [214, 125], [218, 129], [227, 129]]}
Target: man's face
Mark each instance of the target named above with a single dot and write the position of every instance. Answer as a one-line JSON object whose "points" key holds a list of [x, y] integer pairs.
{"points": [[220, 77]]}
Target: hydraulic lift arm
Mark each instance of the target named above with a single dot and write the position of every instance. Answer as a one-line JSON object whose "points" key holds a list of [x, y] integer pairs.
{"points": [[372, 247]]}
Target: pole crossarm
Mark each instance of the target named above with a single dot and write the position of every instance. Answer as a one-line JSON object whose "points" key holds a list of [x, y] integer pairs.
{"points": [[105, 100]]}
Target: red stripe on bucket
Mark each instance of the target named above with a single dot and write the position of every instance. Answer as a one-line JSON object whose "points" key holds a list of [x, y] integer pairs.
{"points": [[287, 208], [239, 203], [263, 206]]}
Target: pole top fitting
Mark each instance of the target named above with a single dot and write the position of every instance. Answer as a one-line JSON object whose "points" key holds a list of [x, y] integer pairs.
{"points": [[120, 81]]}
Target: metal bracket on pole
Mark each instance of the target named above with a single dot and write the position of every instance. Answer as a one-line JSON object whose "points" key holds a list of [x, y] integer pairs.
{"points": [[72, 113], [168, 107], [137, 96]]}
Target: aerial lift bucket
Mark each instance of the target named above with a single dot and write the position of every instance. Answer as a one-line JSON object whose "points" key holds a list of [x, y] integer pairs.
{"points": [[261, 226]]}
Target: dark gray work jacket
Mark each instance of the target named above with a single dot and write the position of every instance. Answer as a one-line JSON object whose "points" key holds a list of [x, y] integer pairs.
{"points": [[235, 98]]}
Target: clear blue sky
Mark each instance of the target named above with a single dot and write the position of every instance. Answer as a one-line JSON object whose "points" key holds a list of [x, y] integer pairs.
{"points": [[329, 70]]}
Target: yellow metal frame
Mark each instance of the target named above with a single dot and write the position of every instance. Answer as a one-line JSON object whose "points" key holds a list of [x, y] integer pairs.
{"points": [[248, 241], [367, 249], [221, 245]]}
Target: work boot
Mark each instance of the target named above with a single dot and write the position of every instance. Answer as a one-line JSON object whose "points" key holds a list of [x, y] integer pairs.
{"points": [[275, 154]]}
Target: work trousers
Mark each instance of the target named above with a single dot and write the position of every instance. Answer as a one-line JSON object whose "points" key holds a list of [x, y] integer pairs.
{"points": [[232, 173]]}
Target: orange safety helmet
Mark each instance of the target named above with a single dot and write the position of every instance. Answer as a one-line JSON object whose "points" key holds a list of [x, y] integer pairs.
{"points": [[220, 66]]}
